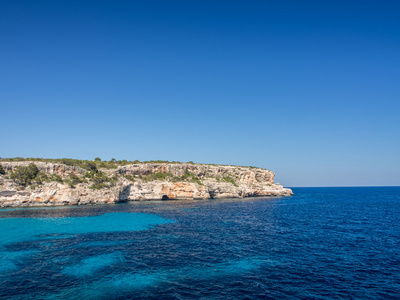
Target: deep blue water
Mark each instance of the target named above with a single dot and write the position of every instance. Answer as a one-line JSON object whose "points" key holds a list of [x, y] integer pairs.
{"points": [[321, 243]]}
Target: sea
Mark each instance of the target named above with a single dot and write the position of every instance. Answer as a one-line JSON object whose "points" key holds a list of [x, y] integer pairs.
{"points": [[320, 243]]}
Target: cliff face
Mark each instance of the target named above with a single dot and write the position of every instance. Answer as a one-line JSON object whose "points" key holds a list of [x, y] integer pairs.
{"points": [[138, 182]]}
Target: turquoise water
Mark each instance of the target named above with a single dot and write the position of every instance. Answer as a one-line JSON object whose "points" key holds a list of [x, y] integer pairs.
{"points": [[50, 229], [21, 229], [88, 266], [322, 243]]}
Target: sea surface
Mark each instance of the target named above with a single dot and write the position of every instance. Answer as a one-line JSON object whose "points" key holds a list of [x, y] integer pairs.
{"points": [[321, 243]]}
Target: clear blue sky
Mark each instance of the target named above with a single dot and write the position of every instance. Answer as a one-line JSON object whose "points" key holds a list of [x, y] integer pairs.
{"points": [[308, 89]]}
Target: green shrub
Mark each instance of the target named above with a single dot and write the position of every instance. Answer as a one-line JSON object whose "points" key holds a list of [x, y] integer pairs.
{"points": [[54, 177], [2, 172], [84, 164], [123, 162], [160, 175], [97, 159], [100, 180], [40, 177], [196, 180], [69, 161], [107, 165], [24, 175], [188, 176], [75, 179], [90, 165], [230, 180], [157, 176], [130, 177]]}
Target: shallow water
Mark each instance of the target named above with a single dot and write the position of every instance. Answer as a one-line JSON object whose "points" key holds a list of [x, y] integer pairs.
{"points": [[322, 243]]}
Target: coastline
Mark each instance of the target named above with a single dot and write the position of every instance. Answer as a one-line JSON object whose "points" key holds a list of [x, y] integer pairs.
{"points": [[63, 184]]}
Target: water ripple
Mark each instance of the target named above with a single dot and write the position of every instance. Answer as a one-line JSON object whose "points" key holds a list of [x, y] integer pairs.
{"points": [[322, 243]]}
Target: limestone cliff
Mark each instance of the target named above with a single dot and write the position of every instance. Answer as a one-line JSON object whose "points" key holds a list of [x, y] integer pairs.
{"points": [[135, 182]]}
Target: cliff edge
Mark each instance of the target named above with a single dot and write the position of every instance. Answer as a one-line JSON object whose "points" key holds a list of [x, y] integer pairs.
{"points": [[38, 183]]}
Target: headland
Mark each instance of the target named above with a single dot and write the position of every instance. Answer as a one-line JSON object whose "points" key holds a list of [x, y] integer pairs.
{"points": [[51, 182]]}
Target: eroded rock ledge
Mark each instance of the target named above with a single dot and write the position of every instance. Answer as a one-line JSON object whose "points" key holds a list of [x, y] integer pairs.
{"points": [[132, 183]]}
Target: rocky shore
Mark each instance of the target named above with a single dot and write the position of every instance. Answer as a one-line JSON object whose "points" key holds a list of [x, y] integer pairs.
{"points": [[61, 184]]}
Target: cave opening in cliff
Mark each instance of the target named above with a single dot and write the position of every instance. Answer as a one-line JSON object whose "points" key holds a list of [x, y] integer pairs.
{"points": [[165, 197]]}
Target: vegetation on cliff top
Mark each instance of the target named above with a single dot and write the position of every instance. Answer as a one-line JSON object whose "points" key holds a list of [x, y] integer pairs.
{"points": [[25, 175], [188, 176], [30, 175], [111, 164]]}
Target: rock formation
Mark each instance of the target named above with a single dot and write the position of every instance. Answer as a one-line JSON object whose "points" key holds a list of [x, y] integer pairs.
{"points": [[138, 182]]}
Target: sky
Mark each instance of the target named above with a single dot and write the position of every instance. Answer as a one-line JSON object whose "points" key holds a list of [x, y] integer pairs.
{"points": [[307, 89]]}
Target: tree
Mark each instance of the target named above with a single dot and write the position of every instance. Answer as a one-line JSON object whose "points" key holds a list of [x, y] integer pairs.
{"points": [[97, 159], [24, 175], [91, 166]]}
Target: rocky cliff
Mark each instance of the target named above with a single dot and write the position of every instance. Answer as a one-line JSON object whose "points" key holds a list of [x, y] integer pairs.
{"points": [[60, 184]]}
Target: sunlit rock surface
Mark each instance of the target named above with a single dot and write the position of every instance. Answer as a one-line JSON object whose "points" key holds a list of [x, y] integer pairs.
{"points": [[212, 181]]}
